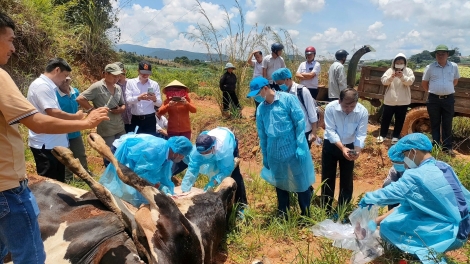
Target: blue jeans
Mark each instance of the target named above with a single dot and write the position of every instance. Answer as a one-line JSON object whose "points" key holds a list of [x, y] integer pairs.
{"points": [[19, 228]]}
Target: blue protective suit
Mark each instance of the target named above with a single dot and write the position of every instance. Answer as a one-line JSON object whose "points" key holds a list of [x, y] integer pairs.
{"points": [[147, 156], [433, 214], [217, 166], [281, 128]]}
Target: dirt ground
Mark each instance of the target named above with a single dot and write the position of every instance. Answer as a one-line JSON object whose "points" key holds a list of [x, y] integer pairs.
{"points": [[370, 171]]}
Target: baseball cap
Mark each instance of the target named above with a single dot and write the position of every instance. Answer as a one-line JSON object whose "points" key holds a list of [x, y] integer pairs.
{"points": [[113, 69], [145, 67], [204, 142], [256, 84], [120, 64]]}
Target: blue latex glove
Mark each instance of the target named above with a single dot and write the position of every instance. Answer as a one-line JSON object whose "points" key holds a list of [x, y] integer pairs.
{"points": [[363, 204], [165, 190], [299, 153], [210, 185]]}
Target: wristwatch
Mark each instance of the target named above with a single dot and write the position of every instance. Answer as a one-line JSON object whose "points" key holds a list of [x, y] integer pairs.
{"points": [[88, 110]]}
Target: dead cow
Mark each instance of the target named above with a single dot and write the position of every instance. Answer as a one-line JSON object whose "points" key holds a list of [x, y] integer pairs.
{"points": [[84, 227]]}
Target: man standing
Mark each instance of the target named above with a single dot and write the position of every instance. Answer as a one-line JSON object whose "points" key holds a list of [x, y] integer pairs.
{"points": [[439, 80], [42, 95], [66, 95], [283, 77], [257, 65], [142, 94], [287, 162], [308, 71], [337, 76], [273, 61], [345, 133], [214, 155], [106, 93], [122, 82], [19, 229]]}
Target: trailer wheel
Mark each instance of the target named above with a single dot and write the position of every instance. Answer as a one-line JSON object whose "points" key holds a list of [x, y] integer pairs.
{"points": [[417, 120]]}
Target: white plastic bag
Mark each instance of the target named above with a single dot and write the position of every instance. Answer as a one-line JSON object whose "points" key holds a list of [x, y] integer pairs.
{"points": [[361, 236], [366, 233]]}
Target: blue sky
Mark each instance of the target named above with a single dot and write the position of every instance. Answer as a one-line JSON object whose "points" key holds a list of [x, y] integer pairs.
{"points": [[390, 26]]}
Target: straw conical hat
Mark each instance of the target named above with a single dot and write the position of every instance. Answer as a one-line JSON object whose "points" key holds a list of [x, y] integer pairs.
{"points": [[176, 84]]}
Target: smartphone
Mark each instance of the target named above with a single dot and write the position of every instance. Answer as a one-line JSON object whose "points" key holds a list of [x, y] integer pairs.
{"points": [[150, 90], [352, 152], [176, 98]]}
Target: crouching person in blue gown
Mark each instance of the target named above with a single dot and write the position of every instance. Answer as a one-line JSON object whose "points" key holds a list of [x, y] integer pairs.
{"points": [[287, 163], [149, 157], [433, 214], [214, 155]]}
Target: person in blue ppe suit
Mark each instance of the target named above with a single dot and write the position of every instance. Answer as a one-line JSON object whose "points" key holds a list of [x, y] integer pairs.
{"points": [[283, 77], [433, 214], [214, 155], [287, 162], [149, 157], [394, 173]]}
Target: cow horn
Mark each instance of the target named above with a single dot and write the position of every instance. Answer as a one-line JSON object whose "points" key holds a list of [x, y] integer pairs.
{"points": [[65, 156], [124, 173]]}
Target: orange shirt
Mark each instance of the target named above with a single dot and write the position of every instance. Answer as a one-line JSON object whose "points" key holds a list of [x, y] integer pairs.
{"points": [[13, 107], [178, 115]]}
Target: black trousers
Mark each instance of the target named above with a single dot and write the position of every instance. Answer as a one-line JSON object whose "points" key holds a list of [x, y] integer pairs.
{"points": [[47, 164], [331, 155], [306, 137], [147, 124], [400, 113], [441, 112], [304, 199], [229, 96], [240, 194], [313, 92]]}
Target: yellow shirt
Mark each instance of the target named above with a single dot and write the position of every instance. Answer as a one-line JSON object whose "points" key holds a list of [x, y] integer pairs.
{"points": [[13, 107]]}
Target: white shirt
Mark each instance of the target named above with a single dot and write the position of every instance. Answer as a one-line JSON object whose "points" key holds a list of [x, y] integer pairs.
{"points": [[272, 64], [337, 79], [257, 68], [134, 88], [347, 128], [441, 79], [310, 113], [42, 95], [306, 67], [162, 123]]}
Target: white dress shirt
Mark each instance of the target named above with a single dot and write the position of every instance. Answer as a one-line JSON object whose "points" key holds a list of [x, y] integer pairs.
{"points": [[134, 88]]}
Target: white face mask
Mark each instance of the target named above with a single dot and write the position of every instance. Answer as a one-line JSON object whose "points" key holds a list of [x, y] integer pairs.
{"points": [[410, 162], [399, 66]]}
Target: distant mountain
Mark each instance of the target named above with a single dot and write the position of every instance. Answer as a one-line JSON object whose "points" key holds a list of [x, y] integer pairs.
{"points": [[166, 54]]}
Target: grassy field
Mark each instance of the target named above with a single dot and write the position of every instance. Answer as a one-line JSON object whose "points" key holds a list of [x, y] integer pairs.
{"points": [[260, 234]]}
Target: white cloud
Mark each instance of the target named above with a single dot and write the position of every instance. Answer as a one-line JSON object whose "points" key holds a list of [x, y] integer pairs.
{"points": [[281, 12], [157, 27], [293, 33], [374, 31]]}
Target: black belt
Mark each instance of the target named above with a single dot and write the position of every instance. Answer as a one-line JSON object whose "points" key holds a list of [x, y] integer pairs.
{"points": [[441, 96], [142, 117]]}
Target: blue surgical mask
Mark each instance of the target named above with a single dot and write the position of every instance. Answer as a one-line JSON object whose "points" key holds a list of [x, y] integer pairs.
{"points": [[258, 98], [284, 87], [410, 162], [399, 167]]}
